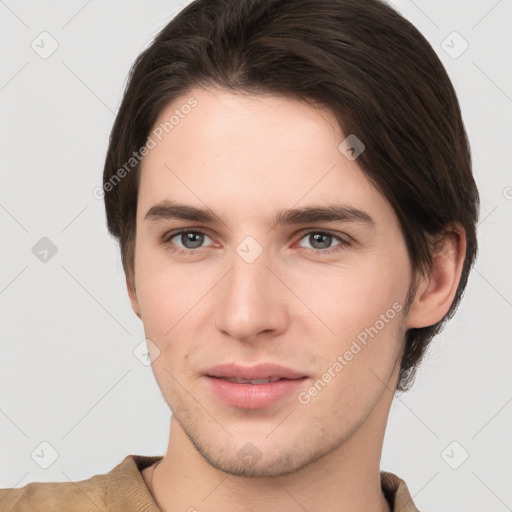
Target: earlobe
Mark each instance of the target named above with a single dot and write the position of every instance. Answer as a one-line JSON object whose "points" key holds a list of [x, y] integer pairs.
{"points": [[435, 292]]}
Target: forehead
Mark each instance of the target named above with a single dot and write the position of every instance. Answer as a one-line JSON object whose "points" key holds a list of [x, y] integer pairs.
{"points": [[255, 154]]}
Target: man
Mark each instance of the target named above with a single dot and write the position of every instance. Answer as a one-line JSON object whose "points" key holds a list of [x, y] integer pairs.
{"points": [[291, 187]]}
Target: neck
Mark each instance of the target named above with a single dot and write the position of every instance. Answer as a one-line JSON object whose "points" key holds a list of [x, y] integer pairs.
{"points": [[345, 480]]}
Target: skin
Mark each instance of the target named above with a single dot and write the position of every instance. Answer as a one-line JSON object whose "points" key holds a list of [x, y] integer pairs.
{"points": [[247, 157]]}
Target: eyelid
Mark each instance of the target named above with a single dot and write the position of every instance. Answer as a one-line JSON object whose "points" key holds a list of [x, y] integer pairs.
{"points": [[330, 251], [166, 238], [343, 238], [337, 234], [171, 234]]}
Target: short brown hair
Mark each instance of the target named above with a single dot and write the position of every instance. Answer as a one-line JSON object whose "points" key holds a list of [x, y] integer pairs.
{"points": [[360, 59]]}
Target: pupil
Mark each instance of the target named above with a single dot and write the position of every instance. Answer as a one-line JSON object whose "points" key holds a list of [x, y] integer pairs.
{"points": [[316, 236], [189, 237]]}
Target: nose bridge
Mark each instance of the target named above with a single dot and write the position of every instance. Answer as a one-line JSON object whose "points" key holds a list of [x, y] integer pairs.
{"points": [[250, 301], [249, 275]]}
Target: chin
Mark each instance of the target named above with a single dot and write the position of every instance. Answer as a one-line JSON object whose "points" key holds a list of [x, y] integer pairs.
{"points": [[265, 459]]}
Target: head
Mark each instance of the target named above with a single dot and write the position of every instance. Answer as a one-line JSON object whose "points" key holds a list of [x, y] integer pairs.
{"points": [[247, 110]]}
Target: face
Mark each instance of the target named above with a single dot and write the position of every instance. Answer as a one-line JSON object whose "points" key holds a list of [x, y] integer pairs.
{"points": [[322, 296]]}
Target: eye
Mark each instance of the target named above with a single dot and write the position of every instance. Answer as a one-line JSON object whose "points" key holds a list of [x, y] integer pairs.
{"points": [[322, 242], [190, 240]]}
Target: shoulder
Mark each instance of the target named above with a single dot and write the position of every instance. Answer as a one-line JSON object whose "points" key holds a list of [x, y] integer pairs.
{"points": [[100, 492], [396, 492], [56, 496]]}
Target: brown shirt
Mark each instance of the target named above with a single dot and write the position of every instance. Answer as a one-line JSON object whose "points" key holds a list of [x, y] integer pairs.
{"points": [[123, 490]]}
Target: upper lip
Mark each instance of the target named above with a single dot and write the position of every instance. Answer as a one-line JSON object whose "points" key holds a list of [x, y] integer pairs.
{"points": [[259, 371]]}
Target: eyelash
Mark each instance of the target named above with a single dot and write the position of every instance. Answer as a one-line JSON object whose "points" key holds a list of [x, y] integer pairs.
{"points": [[166, 239]]}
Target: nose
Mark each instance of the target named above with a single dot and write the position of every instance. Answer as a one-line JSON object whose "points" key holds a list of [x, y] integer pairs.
{"points": [[252, 301]]}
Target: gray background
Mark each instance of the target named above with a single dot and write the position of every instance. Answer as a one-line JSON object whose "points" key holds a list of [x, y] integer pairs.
{"points": [[68, 373]]}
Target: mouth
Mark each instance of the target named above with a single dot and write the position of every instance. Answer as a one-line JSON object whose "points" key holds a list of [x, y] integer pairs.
{"points": [[255, 387], [238, 380], [248, 374]]}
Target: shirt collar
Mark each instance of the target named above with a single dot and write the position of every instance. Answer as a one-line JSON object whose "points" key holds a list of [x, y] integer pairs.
{"points": [[135, 496]]}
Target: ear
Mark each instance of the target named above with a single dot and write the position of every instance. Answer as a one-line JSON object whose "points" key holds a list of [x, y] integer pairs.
{"points": [[436, 291], [130, 286]]}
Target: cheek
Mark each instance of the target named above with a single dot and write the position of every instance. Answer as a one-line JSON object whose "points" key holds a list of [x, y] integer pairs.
{"points": [[169, 300], [164, 292], [365, 315], [363, 305], [356, 296]]}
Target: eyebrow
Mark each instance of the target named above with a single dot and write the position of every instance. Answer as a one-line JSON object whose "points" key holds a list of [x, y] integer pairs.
{"points": [[167, 210]]}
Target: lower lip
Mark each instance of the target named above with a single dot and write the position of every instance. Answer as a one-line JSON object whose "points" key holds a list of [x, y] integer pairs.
{"points": [[253, 396]]}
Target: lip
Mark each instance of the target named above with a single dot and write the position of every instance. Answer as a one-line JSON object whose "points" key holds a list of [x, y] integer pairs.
{"points": [[253, 396], [259, 371]]}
